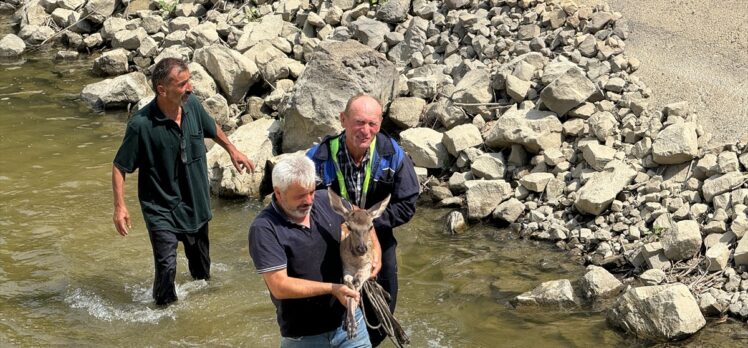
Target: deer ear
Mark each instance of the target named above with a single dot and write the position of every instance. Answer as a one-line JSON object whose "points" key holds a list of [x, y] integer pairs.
{"points": [[337, 203], [377, 209]]}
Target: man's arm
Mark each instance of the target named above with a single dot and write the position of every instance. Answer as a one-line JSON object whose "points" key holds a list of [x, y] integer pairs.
{"points": [[402, 204], [240, 161], [121, 216], [284, 287]]}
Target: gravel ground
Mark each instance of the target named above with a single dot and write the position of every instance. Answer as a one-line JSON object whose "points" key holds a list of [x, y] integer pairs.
{"points": [[697, 51]]}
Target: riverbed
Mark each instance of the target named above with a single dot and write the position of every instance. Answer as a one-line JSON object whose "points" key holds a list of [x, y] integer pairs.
{"points": [[67, 278]]}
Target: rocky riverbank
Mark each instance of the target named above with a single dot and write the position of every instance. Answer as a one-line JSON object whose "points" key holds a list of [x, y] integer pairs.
{"points": [[527, 113]]}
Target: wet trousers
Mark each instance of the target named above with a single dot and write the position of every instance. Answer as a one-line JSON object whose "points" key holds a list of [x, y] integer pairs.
{"points": [[196, 248]]}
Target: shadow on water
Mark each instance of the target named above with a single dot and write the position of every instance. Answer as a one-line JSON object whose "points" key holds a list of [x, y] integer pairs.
{"points": [[66, 278]]}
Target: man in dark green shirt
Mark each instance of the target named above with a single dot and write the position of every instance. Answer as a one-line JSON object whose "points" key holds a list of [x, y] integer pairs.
{"points": [[165, 142]]}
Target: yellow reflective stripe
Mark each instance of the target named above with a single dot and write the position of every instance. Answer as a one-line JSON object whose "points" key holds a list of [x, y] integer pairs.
{"points": [[334, 147]]}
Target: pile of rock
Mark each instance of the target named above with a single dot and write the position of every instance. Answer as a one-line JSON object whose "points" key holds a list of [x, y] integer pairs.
{"points": [[525, 112]]}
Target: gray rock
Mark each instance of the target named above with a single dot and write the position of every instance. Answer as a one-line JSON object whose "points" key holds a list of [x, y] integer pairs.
{"points": [[393, 11], [183, 23], [659, 313], [233, 72], [653, 276], [111, 26], [11, 46], [35, 35], [462, 137], [509, 210], [482, 196], [203, 85], [97, 11], [456, 223], [218, 108], [369, 32], [536, 182], [129, 39], [111, 63], [555, 293], [474, 88], [336, 72], [202, 35], [425, 147], [406, 112], [517, 88], [600, 190], [489, 166], [596, 155], [716, 257], [535, 130], [675, 144], [567, 91], [268, 28], [741, 252], [118, 91], [254, 139], [682, 241], [717, 185], [598, 283]]}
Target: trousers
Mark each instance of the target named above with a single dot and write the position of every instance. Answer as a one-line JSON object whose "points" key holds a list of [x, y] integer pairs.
{"points": [[164, 243]]}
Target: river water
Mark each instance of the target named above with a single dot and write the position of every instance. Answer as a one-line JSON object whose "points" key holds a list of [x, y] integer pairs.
{"points": [[67, 278]]}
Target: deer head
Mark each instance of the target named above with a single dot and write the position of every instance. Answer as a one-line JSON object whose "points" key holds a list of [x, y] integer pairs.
{"points": [[358, 221]]}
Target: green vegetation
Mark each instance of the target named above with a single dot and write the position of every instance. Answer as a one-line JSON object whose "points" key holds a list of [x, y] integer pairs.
{"points": [[167, 6]]}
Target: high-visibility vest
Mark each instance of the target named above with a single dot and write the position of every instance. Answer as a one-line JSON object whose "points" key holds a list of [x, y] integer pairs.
{"points": [[334, 147]]}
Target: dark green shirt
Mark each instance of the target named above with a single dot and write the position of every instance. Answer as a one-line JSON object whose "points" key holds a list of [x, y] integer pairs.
{"points": [[173, 184]]}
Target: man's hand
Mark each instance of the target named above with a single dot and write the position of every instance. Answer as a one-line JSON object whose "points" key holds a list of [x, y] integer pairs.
{"points": [[241, 162], [122, 220], [343, 293]]}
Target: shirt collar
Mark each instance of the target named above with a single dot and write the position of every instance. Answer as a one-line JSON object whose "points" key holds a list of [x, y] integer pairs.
{"points": [[159, 115], [279, 211]]}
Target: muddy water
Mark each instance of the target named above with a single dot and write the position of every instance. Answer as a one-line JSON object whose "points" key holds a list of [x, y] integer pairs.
{"points": [[67, 278]]}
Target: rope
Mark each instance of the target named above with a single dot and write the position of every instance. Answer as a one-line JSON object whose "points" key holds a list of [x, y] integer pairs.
{"points": [[387, 321]]}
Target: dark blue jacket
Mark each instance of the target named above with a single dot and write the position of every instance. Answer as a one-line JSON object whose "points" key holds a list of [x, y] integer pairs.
{"points": [[393, 174]]}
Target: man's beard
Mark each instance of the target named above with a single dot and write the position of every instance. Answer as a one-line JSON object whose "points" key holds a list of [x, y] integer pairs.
{"points": [[300, 212]]}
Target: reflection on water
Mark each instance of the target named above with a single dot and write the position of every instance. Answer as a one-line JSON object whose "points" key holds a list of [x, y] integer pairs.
{"points": [[67, 278]]}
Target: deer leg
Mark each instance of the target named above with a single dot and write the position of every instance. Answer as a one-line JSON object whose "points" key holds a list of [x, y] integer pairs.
{"points": [[350, 318]]}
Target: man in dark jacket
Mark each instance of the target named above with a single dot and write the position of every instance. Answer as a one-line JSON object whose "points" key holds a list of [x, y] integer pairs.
{"points": [[364, 166]]}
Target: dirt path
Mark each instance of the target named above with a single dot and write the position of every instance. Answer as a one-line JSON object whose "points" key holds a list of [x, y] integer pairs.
{"points": [[697, 51]]}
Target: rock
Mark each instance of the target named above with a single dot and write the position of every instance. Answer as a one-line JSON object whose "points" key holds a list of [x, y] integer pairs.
{"points": [[716, 257], [654, 256], [456, 223], [406, 112], [598, 283], [517, 88], [474, 88], [218, 108], [118, 91], [675, 144], [11, 46], [203, 85], [567, 91], [202, 35], [709, 305], [393, 11], [97, 11], [268, 28], [425, 147], [555, 293], [658, 313], [740, 257], [233, 72], [336, 72], [254, 139], [482, 196], [111, 63], [448, 115], [653, 276], [509, 210], [129, 39], [489, 166], [596, 155], [462, 137], [715, 186], [600, 190], [369, 32], [536, 182], [535, 130], [35, 35], [682, 241]]}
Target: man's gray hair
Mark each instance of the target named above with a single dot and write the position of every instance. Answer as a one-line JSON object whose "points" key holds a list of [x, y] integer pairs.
{"points": [[294, 169]]}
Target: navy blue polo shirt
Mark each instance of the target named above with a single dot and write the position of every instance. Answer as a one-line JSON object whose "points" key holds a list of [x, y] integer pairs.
{"points": [[311, 253]]}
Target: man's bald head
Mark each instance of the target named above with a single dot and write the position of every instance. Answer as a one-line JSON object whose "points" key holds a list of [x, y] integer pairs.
{"points": [[363, 103], [361, 120]]}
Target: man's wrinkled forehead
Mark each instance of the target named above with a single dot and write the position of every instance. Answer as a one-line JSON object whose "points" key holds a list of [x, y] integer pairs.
{"points": [[363, 105]]}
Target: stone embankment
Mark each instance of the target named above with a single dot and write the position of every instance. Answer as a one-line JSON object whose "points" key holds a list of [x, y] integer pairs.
{"points": [[522, 112]]}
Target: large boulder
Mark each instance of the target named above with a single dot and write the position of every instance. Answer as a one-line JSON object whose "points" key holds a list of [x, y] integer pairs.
{"points": [[97, 11], [598, 283], [425, 147], [118, 91], [474, 88], [336, 72], [482, 196], [233, 72], [599, 192], [11, 46], [111, 63], [554, 293], [658, 313], [534, 129], [254, 140], [567, 91], [676, 144], [203, 85], [268, 28]]}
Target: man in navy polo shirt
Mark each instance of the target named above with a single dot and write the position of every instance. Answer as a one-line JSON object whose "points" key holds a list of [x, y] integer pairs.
{"points": [[164, 141], [295, 244]]}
